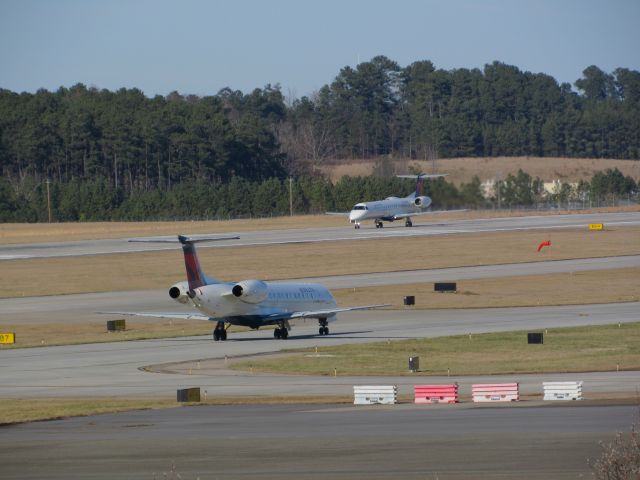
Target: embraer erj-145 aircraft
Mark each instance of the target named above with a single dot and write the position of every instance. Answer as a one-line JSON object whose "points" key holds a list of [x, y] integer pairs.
{"points": [[250, 303], [394, 208]]}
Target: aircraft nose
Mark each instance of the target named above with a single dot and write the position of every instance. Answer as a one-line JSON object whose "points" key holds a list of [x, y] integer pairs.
{"points": [[355, 215]]}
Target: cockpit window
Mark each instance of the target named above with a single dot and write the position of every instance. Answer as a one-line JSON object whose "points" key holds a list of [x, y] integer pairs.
{"points": [[360, 207]]}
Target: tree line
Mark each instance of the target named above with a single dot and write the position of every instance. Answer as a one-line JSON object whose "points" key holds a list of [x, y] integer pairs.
{"points": [[374, 109], [125, 146], [100, 200]]}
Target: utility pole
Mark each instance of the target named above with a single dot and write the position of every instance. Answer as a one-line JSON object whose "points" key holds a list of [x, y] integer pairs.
{"points": [[290, 197], [48, 200]]}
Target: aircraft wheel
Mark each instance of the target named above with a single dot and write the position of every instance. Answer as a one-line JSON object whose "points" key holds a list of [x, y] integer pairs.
{"points": [[326, 330], [321, 331], [284, 334], [216, 335], [408, 224], [277, 333], [223, 335]]}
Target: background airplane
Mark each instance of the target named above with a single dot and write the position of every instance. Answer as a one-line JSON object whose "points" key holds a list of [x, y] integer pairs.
{"points": [[250, 303], [394, 208]]}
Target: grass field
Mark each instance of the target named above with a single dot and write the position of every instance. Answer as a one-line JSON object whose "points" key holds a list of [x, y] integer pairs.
{"points": [[601, 286], [462, 170], [138, 271], [598, 286], [48, 334], [583, 349]]}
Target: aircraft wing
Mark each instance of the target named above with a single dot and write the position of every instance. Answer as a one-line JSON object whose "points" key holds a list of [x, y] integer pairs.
{"points": [[176, 315], [398, 216], [319, 313], [344, 214]]}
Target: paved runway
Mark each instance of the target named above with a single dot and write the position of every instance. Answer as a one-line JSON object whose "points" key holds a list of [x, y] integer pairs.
{"points": [[113, 369], [322, 442], [82, 307], [269, 237], [290, 441]]}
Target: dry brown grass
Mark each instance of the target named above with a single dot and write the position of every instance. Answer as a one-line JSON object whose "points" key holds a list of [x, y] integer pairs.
{"points": [[62, 232], [462, 170], [48, 334], [140, 271], [601, 286], [11, 233], [29, 410]]}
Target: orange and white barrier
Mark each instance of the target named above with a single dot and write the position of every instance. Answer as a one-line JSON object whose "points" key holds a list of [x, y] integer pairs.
{"points": [[436, 393], [495, 392]]}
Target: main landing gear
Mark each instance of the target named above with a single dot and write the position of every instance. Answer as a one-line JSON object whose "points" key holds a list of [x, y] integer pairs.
{"points": [[324, 329], [378, 223], [407, 223], [219, 333], [356, 226], [281, 332]]}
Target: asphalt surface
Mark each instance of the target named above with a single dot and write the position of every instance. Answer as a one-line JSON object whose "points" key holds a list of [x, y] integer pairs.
{"points": [[530, 439], [321, 442], [82, 308], [114, 369], [270, 237]]}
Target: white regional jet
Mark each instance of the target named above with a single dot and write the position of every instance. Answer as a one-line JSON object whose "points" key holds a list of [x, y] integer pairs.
{"points": [[394, 208], [250, 303]]}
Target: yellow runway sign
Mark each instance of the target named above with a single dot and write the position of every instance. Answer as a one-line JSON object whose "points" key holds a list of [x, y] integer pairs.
{"points": [[8, 338], [596, 226]]}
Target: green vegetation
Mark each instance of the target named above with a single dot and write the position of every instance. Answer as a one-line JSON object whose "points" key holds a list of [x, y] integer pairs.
{"points": [[123, 156], [99, 201], [582, 349]]}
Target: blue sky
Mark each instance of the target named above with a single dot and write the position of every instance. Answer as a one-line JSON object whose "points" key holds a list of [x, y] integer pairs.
{"points": [[199, 47]]}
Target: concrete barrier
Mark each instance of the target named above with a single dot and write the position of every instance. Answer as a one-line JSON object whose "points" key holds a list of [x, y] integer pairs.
{"points": [[436, 393], [495, 392], [375, 394], [562, 390]]}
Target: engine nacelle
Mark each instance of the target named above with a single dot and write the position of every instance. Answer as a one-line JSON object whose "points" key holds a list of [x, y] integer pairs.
{"points": [[180, 292], [422, 202], [250, 291]]}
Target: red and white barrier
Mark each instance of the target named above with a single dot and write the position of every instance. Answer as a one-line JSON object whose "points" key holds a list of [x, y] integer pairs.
{"points": [[436, 393], [495, 392]]}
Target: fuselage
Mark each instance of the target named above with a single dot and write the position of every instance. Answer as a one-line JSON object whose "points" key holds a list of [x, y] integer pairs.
{"points": [[259, 300], [389, 209]]}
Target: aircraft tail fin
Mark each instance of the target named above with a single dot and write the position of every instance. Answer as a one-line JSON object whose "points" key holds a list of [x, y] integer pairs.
{"points": [[419, 191], [195, 275]]}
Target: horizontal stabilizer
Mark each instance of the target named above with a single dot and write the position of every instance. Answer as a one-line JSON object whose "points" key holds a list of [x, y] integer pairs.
{"points": [[424, 175], [181, 239]]}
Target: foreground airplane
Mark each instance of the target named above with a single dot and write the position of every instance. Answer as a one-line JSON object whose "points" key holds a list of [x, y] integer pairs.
{"points": [[250, 303], [394, 208]]}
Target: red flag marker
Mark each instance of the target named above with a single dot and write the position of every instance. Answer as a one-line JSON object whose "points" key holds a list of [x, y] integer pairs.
{"points": [[546, 243]]}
